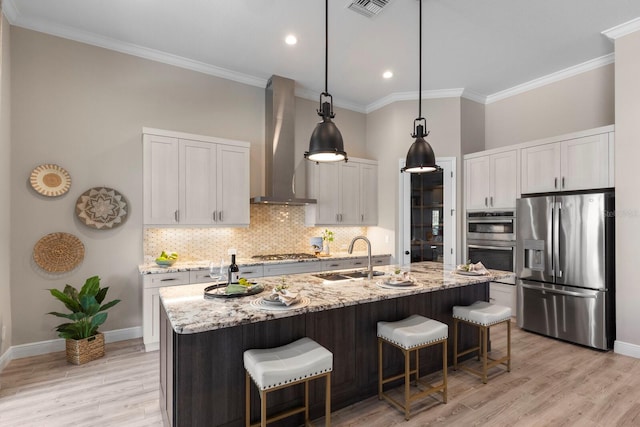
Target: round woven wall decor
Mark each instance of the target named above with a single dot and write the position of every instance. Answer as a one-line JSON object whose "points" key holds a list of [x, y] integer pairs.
{"points": [[58, 252], [50, 180], [101, 207]]}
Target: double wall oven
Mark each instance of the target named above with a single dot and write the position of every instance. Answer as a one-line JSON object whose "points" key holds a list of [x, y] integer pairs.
{"points": [[491, 239]]}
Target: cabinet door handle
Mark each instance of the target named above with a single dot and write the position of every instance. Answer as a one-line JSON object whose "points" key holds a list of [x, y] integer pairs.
{"points": [[337, 217], [361, 217], [563, 182], [340, 217], [491, 201], [555, 182], [485, 201], [214, 216], [220, 216], [176, 215]]}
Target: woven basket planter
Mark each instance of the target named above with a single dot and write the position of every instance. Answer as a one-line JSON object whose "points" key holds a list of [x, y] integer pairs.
{"points": [[85, 350]]}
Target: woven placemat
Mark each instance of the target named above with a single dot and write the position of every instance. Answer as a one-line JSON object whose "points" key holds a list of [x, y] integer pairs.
{"points": [[58, 252]]}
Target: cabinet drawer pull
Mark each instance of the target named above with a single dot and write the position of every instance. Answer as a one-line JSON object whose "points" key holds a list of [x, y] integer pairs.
{"points": [[334, 265], [167, 280], [357, 263], [247, 272]]}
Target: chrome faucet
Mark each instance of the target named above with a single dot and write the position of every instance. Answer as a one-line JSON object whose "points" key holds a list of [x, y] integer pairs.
{"points": [[369, 266]]}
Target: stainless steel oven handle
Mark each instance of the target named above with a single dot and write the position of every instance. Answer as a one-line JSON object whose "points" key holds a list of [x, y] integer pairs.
{"points": [[495, 248], [485, 220], [556, 291]]}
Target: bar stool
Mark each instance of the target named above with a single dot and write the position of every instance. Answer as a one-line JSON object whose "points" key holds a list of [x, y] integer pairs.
{"points": [[412, 334], [482, 315], [274, 368]]}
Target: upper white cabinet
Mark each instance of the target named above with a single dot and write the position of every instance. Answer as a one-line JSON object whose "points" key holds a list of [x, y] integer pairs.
{"points": [[346, 193], [194, 180], [572, 164], [492, 180]]}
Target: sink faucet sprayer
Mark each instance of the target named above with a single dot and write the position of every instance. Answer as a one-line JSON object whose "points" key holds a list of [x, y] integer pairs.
{"points": [[369, 267]]}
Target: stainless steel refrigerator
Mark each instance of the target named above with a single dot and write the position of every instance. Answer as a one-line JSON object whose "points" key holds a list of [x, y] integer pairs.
{"points": [[565, 273]]}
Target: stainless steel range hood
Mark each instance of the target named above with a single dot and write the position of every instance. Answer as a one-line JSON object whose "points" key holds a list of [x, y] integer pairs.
{"points": [[279, 156]]}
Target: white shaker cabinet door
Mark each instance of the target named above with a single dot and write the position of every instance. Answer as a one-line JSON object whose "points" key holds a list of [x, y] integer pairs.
{"points": [[349, 194], [477, 177], [327, 193], [233, 185], [585, 163], [160, 180], [504, 186], [368, 194], [541, 168], [198, 182]]}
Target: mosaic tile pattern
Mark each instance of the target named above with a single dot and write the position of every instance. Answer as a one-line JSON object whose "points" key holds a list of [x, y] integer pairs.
{"points": [[273, 229]]}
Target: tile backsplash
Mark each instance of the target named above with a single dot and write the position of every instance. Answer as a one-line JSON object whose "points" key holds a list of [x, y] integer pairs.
{"points": [[273, 229]]}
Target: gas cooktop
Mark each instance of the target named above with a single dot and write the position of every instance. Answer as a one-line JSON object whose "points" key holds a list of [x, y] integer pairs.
{"points": [[279, 257]]}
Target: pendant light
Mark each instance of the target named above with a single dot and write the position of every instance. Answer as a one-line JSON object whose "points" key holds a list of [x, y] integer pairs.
{"points": [[420, 157], [326, 140]]}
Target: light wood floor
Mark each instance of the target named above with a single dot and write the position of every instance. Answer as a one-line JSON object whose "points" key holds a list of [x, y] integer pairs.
{"points": [[551, 384]]}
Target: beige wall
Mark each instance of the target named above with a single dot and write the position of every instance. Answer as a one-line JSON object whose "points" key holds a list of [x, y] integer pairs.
{"points": [[580, 102], [5, 190], [83, 108], [627, 200], [472, 126], [389, 139]]}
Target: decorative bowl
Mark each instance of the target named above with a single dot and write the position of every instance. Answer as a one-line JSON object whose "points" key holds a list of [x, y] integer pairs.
{"points": [[165, 262]]}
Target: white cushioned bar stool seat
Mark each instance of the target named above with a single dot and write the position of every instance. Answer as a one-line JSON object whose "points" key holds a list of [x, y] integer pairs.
{"points": [[274, 368], [410, 335], [482, 315]]}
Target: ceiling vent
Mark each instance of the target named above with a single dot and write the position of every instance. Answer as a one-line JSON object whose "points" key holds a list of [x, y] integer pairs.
{"points": [[368, 8]]}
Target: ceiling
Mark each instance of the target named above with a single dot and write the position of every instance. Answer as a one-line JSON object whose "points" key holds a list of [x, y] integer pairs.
{"points": [[484, 47]]}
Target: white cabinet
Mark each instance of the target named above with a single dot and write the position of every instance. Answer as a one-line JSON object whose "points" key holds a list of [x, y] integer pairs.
{"points": [[151, 284], [194, 180], [346, 193], [291, 268], [503, 294], [573, 164], [359, 262], [491, 181]]}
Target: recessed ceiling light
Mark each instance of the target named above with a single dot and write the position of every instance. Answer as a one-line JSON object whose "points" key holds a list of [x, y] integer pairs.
{"points": [[387, 74], [291, 39]]}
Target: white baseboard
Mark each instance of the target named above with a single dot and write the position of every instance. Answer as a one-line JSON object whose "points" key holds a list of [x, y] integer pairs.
{"points": [[52, 346], [626, 349]]}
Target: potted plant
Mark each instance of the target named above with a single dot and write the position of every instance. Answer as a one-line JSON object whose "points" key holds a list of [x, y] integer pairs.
{"points": [[327, 236], [84, 342]]}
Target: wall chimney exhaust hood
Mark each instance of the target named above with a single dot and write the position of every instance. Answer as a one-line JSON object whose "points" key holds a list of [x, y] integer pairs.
{"points": [[280, 160]]}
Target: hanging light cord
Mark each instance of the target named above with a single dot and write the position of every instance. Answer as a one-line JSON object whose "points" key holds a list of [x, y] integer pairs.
{"points": [[326, 46], [420, 63]]}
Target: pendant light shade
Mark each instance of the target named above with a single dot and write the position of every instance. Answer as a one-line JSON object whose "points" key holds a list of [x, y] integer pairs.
{"points": [[420, 157], [326, 140]]}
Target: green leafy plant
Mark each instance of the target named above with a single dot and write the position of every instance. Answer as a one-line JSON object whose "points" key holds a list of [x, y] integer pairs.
{"points": [[327, 235], [87, 310]]}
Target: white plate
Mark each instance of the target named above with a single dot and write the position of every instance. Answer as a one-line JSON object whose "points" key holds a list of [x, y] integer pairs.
{"points": [[261, 304], [469, 273]]}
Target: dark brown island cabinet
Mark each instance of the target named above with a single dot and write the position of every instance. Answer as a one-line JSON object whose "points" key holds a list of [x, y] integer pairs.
{"points": [[202, 376]]}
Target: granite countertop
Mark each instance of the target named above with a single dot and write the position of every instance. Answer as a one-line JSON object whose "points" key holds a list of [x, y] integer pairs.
{"points": [[153, 268], [189, 312]]}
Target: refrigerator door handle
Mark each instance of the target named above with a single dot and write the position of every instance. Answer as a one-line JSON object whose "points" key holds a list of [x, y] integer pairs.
{"points": [[557, 291], [558, 245]]}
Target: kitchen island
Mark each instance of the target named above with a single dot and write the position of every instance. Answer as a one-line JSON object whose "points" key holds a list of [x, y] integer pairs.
{"points": [[202, 340]]}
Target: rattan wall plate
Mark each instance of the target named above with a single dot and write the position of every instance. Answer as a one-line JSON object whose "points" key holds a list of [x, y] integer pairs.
{"points": [[50, 180], [58, 252], [101, 208]]}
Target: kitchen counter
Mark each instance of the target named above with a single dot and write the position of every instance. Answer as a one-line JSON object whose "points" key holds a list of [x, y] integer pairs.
{"points": [[202, 341], [153, 268], [189, 312]]}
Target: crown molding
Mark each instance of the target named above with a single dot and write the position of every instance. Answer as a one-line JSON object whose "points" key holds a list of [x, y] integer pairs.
{"points": [[623, 29], [135, 50], [553, 77], [315, 96], [411, 96], [474, 96]]}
